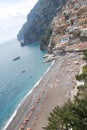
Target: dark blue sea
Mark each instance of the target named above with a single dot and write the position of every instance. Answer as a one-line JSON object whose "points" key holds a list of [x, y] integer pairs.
{"points": [[18, 77]]}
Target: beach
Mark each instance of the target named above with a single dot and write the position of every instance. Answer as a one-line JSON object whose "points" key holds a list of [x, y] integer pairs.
{"points": [[55, 88]]}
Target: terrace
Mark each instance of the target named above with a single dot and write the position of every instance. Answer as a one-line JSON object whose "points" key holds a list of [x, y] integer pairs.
{"points": [[77, 47], [62, 28]]}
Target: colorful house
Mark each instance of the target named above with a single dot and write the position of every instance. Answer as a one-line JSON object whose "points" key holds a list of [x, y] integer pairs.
{"points": [[80, 3], [62, 28], [63, 39]]}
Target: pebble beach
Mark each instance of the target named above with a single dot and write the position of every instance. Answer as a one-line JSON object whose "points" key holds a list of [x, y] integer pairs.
{"points": [[55, 88]]}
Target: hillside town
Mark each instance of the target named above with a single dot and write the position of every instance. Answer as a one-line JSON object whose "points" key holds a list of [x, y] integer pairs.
{"points": [[69, 29], [58, 101]]}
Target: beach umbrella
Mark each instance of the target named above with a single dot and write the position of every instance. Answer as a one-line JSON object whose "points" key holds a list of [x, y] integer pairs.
{"points": [[24, 122], [33, 123], [36, 118], [30, 114], [21, 127], [29, 129], [37, 101], [26, 119], [33, 107], [38, 98]]}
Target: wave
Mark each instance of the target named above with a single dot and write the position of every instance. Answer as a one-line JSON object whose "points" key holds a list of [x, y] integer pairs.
{"points": [[15, 112]]}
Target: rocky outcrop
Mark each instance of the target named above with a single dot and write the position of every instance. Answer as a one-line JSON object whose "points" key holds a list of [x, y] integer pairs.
{"points": [[38, 20]]}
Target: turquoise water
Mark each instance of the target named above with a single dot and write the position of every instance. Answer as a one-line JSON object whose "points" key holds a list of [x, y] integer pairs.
{"points": [[14, 84]]}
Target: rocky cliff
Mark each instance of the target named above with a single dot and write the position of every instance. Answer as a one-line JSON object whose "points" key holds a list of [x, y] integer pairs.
{"points": [[38, 20]]}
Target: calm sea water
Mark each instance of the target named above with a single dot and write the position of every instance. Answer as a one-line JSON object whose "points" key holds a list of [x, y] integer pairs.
{"points": [[14, 84]]}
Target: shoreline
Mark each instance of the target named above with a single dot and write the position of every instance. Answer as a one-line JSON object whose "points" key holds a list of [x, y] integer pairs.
{"points": [[15, 112], [23, 100], [56, 82]]}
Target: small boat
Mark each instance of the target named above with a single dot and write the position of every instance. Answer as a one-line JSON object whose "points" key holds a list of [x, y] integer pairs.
{"points": [[17, 58], [23, 71]]}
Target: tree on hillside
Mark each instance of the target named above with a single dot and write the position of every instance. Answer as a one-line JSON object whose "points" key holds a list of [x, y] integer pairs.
{"points": [[70, 115], [85, 55], [45, 38]]}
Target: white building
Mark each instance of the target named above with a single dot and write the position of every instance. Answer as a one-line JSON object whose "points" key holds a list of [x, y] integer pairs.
{"points": [[84, 32], [63, 39], [73, 28], [79, 4]]}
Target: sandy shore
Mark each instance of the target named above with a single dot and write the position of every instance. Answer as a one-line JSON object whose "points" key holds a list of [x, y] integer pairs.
{"points": [[54, 89]]}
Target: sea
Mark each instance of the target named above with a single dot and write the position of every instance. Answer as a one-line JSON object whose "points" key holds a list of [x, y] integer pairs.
{"points": [[18, 77]]}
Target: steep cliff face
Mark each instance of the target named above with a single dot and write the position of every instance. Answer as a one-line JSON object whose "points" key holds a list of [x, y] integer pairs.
{"points": [[38, 20]]}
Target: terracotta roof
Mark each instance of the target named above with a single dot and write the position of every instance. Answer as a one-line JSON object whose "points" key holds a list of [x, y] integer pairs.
{"points": [[82, 46], [78, 1]]}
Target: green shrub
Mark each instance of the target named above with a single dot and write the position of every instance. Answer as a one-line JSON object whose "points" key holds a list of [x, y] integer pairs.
{"points": [[85, 70], [83, 87], [70, 115], [80, 77], [45, 38], [85, 53]]}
